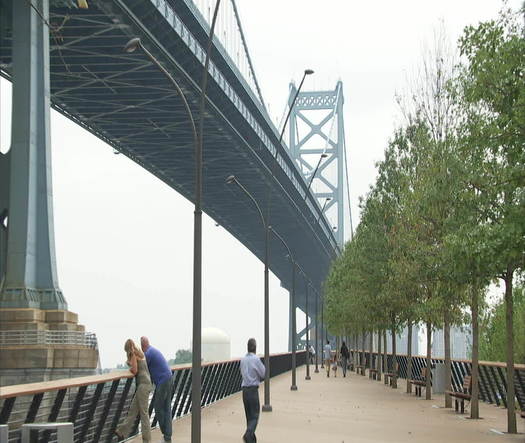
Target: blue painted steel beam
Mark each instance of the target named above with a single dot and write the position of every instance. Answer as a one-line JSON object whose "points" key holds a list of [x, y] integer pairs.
{"points": [[126, 102]]}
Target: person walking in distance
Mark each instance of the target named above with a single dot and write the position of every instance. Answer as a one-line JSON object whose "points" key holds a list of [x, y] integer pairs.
{"points": [[345, 355], [327, 357], [161, 376], [252, 372], [311, 351]]}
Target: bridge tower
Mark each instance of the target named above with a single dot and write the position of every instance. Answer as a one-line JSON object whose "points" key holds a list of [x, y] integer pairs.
{"points": [[317, 144], [316, 129], [33, 310]]}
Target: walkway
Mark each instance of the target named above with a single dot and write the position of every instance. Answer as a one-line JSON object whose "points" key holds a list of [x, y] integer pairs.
{"points": [[343, 410]]}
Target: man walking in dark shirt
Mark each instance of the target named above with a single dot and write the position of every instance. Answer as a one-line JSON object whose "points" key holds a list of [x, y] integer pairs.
{"points": [[161, 376], [345, 355], [252, 371]]}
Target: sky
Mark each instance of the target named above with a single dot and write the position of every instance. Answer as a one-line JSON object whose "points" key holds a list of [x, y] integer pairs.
{"points": [[124, 240]]}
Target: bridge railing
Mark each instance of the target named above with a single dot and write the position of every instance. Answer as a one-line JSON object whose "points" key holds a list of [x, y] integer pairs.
{"points": [[492, 375], [97, 404]]}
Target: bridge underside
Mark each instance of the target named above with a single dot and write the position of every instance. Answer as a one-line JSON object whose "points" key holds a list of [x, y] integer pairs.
{"points": [[128, 103]]}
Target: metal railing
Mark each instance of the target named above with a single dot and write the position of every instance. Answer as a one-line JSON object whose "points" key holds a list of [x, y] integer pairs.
{"points": [[20, 338], [492, 379], [97, 404]]}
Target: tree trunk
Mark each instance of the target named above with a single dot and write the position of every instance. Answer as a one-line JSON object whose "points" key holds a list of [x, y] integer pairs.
{"points": [[363, 355], [474, 401], [428, 392], [511, 415], [354, 352], [409, 358], [385, 356], [371, 342], [394, 359], [448, 363], [379, 355]]}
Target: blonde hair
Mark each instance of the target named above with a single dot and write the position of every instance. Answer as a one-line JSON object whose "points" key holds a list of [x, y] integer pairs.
{"points": [[131, 349]]}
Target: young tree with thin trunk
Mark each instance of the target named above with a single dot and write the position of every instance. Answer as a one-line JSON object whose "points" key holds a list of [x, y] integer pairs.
{"points": [[491, 92]]}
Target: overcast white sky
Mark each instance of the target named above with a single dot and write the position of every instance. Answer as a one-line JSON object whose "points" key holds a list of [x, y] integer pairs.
{"points": [[124, 239]]}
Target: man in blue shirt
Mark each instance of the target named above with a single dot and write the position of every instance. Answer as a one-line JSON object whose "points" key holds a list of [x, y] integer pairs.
{"points": [[252, 371], [161, 376]]}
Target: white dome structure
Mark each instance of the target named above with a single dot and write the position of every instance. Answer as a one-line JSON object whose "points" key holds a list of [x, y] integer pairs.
{"points": [[215, 345]]}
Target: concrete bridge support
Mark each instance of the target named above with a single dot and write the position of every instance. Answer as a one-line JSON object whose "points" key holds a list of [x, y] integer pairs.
{"points": [[4, 205], [30, 279], [30, 297]]}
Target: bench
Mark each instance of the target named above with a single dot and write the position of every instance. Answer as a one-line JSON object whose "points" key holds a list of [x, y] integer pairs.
{"points": [[420, 382], [372, 373], [360, 369], [464, 394], [65, 431], [522, 414], [4, 433], [390, 375]]}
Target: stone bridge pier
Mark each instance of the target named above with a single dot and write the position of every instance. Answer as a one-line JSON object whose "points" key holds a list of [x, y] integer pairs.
{"points": [[39, 338]]}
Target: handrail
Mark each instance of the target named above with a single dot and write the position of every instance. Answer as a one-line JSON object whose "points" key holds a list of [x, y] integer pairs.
{"points": [[496, 364], [57, 385], [22, 338], [66, 383], [492, 376], [97, 404]]}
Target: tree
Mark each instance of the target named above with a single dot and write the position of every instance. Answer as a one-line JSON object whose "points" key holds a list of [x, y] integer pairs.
{"points": [[181, 356], [431, 119], [493, 337], [491, 91]]}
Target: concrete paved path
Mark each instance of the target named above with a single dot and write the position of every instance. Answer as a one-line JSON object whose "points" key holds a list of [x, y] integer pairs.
{"points": [[343, 410]]}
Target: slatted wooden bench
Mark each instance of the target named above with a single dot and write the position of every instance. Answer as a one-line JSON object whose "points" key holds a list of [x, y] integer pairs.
{"points": [[464, 394], [372, 373], [360, 369], [389, 376], [420, 382]]}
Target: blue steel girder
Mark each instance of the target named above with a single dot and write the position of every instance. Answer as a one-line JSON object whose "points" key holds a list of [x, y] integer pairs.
{"points": [[307, 151], [128, 103]]}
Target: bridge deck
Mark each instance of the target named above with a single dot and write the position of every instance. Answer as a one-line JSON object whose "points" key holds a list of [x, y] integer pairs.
{"points": [[352, 409]]}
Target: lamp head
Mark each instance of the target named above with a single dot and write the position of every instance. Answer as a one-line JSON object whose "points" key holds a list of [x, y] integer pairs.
{"points": [[230, 179], [328, 199], [132, 45], [324, 155], [308, 72]]}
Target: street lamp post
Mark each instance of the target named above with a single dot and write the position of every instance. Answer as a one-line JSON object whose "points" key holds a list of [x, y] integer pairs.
{"points": [[136, 43], [324, 206], [322, 331], [196, 374], [306, 284], [307, 341], [196, 371], [266, 406], [306, 72], [293, 387], [317, 348], [231, 179], [323, 155]]}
